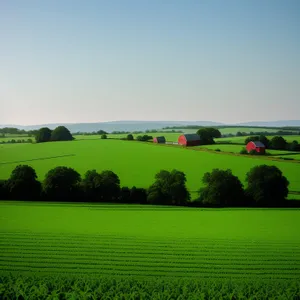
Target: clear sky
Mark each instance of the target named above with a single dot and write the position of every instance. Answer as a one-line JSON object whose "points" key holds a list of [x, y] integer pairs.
{"points": [[89, 61]]}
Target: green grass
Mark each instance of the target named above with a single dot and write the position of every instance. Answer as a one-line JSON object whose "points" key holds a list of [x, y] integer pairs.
{"points": [[147, 241], [136, 163]]}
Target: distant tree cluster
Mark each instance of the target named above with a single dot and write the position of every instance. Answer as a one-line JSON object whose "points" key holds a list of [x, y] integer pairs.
{"points": [[144, 138], [16, 141], [208, 134], [276, 143], [60, 133], [266, 187], [99, 132]]}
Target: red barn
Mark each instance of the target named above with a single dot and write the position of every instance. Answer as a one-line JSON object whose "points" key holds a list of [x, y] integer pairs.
{"points": [[159, 140], [257, 146], [189, 140]]}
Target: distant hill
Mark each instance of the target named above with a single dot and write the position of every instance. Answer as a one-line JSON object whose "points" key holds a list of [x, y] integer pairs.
{"points": [[281, 123], [146, 125], [116, 125]]}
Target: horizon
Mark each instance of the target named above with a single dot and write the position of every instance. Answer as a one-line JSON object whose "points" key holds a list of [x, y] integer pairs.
{"points": [[72, 62]]}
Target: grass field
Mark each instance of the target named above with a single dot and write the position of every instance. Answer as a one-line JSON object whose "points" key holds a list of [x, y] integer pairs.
{"points": [[136, 163], [146, 241]]}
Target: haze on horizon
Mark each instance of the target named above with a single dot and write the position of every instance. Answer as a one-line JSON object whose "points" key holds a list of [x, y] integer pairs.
{"points": [[93, 61]]}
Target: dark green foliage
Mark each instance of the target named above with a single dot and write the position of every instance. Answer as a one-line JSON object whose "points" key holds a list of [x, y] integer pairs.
{"points": [[169, 188], [278, 143], [101, 187], [62, 184], [251, 139], [61, 133], [207, 135], [103, 136], [101, 132], [144, 138], [130, 137], [23, 184], [133, 195], [3, 190], [222, 189], [293, 146], [266, 186], [243, 151], [43, 135], [109, 287]]}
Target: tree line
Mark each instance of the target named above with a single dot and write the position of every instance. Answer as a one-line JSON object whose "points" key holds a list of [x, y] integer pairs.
{"points": [[276, 143], [266, 186]]}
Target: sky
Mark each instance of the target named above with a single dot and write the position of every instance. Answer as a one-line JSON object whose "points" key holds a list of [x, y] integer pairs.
{"points": [[74, 61]]}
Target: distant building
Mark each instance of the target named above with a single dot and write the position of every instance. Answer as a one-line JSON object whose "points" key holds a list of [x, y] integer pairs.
{"points": [[189, 140], [257, 146], [159, 140]]}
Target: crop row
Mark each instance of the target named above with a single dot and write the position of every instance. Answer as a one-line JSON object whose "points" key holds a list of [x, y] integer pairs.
{"points": [[209, 259], [102, 261], [145, 240]]}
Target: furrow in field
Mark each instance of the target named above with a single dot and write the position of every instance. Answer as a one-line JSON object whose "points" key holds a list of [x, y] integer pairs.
{"points": [[135, 274], [17, 253], [150, 240], [150, 252], [150, 269]]}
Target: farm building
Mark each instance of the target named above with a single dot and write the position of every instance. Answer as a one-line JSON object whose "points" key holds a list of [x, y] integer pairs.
{"points": [[257, 146], [189, 140], [159, 140]]}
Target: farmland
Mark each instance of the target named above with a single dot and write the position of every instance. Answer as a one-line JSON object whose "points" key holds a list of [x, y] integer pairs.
{"points": [[126, 158], [149, 242]]}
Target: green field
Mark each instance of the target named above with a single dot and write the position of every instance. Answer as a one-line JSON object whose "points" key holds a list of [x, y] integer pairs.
{"points": [[136, 163], [146, 241]]}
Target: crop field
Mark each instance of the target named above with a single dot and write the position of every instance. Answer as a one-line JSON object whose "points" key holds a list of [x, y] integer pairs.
{"points": [[136, 163], [146, 241]]}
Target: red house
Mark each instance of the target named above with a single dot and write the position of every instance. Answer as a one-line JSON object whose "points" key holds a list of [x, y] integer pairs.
{"points": [[159, 140], [257, 146], [189, 140]]}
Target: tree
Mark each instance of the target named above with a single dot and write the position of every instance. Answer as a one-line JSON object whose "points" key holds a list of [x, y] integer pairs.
{"points": [[43, 135], [62, 184], [101, 132], [278, 143], [130, 137], [3, 190], [144, 138], [222, 189], [252, 138], [101, 187], [169, 188], [23, 184], [61, 133], [207, 135], [266, 185], [293, 146], [103, 136], [263, 139]]}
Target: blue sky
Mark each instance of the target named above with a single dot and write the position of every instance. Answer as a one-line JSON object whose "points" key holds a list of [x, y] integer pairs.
{"points": [[88, 61]]}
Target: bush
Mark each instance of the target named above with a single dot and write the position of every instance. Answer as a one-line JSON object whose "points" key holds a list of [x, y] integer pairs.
{"points": [[130, 137], [103, 136], [243, 151]]}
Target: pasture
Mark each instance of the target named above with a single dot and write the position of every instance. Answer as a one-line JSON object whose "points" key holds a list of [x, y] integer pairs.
{"points": [[147, 241], [136, 163]]}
